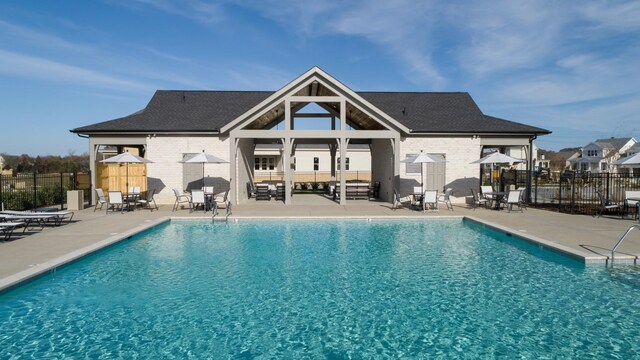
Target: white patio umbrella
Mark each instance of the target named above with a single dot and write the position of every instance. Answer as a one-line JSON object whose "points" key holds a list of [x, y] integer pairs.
{"points": [[632, 160], [203, 158], [496, 158], [421, 159], [126, 158]]}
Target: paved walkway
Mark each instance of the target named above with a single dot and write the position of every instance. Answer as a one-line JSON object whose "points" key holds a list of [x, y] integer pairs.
{"points": [[37, 251]]}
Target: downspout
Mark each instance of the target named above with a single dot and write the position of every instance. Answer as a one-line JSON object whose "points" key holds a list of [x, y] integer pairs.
{"points": [[530, 168]]}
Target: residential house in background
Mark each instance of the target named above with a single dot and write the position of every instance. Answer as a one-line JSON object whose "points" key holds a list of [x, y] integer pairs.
{"points": [[597, 156], [633, 169]]}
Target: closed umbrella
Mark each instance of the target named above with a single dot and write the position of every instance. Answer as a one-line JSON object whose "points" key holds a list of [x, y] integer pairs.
{"points": [[203, 158], [126, 158]]}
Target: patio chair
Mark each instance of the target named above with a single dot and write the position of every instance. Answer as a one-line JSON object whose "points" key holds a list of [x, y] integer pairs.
{"points": [[280, 191], [430, 200], [149, 202], [477, 200], [251, 191], [180, 199], [374, 190], [513, 198], [263, 192], [197, 199], [7, 229], [396, 201], [416, 198], [221, 199], [606, 205], [483, 193], [446, 198], [101, 199], [115, 201]]}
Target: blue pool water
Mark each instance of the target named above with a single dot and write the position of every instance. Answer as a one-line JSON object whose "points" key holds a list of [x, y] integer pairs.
{"points": [[324, 289]]}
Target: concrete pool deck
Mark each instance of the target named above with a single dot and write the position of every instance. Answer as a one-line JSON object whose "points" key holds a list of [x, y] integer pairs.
{"points": [[35, 252]]}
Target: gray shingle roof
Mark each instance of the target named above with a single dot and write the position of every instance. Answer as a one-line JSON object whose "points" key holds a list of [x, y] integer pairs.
{"points": [[202, 111], [615, 143]]}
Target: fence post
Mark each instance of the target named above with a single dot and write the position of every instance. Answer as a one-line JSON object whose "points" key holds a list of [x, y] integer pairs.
{"points": [[61, 192], [573, 193], [608, 178], [35, 191], [1, 192], [535, 202]]}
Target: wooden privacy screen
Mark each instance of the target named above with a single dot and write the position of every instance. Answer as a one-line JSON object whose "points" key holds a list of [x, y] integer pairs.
{"points": [[114, 177]]}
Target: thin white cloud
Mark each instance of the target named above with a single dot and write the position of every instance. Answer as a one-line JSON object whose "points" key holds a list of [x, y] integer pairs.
{"points": [[615, 15], [203, 11], [13, 63]]}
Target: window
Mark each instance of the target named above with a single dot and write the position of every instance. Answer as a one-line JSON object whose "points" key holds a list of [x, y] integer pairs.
{"points": [[412, 169], [592, 152], [346, 164], [316, 164], [265, 163], [603, 166]]}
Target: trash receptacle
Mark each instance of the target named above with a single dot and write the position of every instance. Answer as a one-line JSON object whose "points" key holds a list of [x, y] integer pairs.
{"points": [[75, 200]]}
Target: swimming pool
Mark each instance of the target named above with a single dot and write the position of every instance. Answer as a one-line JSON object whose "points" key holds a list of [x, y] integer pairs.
{"points": [[324, 289]]}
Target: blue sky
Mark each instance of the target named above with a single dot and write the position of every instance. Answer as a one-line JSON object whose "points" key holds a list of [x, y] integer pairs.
{"points": [[572, 67]]}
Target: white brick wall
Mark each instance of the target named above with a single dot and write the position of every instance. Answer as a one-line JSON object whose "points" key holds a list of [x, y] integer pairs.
{"points": [[459, 152], [165, 173]]}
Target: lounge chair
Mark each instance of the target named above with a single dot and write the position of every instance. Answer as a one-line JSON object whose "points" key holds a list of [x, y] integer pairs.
{"points": [[56, 216], [430, 200], [101, 199], [606, 205], [446, 198], [477, 200], [180, 199], [513, 198], [197, 199], [149, 202], [7, 229], [115, 201]]}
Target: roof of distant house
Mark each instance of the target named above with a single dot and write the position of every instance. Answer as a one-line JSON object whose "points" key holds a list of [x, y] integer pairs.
{"points": [[208, 111], [613, 143]]}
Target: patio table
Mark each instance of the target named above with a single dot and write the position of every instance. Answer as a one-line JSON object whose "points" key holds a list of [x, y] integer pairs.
{"points": [[497, 197]]}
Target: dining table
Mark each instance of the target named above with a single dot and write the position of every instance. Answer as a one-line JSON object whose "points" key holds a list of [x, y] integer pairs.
{"points": [[496, 197]]}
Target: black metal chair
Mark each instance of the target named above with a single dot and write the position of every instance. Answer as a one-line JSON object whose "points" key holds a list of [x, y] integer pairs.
{"points": [[606, 205]]}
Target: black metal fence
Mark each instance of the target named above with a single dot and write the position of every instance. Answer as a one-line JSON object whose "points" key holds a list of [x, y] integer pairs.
{"points": [[574, 192], [31, 191]]}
